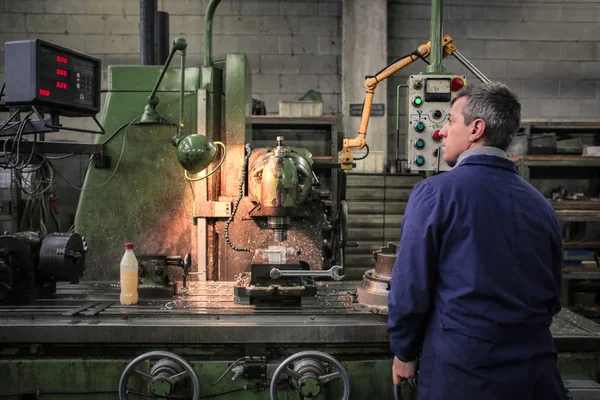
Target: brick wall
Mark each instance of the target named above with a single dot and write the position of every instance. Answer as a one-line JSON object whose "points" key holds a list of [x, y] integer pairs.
{"points": [[292, 46], [546, 51]]}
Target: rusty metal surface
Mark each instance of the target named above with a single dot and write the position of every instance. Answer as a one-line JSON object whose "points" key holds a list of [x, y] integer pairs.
{"points": [[304, 234]]}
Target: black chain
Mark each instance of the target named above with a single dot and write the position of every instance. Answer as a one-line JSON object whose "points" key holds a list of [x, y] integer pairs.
{"points": [[237, 202]]}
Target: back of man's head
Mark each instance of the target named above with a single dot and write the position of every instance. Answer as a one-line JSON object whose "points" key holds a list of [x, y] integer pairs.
{"points": [[498, 106]]}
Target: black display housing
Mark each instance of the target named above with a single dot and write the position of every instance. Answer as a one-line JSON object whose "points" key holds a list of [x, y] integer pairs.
{"points": [[52, 78]]}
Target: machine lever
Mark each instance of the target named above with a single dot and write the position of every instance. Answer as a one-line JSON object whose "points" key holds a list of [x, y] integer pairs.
{"points": [[333, 272]]}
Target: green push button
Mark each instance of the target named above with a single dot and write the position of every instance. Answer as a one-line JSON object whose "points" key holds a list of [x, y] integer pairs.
{"points": [[419, 144], [417, 101], [419, 161], [419, 126]]}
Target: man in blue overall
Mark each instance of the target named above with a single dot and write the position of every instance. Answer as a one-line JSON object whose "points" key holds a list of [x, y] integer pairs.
{"points": [[478, 274]]}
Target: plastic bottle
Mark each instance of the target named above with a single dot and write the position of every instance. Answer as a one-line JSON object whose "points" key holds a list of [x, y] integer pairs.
{"points": [[129, 276]]}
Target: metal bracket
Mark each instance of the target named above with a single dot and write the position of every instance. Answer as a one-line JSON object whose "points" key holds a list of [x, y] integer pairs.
{"points": [[213, 209]]}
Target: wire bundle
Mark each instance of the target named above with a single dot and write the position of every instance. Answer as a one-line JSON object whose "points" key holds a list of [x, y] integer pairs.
{"points": [[35, 174]]}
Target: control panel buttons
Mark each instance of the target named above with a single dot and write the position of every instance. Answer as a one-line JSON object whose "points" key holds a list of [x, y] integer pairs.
{"points": [[419, 144], [457, 83], [417, 101], [436, 135], [437, 114], [419, 161], [419, 126]]}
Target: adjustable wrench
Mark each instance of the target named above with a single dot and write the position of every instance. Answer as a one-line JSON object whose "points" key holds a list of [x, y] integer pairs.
{"points": [[333, 272]]}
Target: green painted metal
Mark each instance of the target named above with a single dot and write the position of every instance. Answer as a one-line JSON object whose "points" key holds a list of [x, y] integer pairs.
{"points": [[208, 22], [279, 186], [196, 152], [144, 197], [237, 127], [437, 24], [150, 115], [370, 377]]}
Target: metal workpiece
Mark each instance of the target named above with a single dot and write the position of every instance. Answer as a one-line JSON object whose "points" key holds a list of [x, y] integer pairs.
{"points": [[373, 290], [333, 273]]}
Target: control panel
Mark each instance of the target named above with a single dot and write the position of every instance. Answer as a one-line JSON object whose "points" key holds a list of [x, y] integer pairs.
{"points": [[52, 78], [428, 105]]}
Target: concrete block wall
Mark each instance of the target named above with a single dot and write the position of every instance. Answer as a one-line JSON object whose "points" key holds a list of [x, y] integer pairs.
{"points": [[292, 46], [547, 52]]}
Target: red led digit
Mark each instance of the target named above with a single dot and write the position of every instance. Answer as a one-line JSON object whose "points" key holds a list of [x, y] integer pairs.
{"points": [[62, 72], [44, 92], [61, 85], [62, 59]]}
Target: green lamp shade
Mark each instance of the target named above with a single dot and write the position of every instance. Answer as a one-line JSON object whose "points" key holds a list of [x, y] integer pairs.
{"points": [[195, 153]]}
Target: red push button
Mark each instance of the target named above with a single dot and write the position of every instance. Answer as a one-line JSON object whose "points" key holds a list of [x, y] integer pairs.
{"points": [[457, 83], [436, 135]]}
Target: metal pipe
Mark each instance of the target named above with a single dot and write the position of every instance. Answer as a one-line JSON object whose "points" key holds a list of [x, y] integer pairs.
{"points": [[437, 24], [161, 37], [208, 22], [147, 23], [181, 91], [471, 67]]}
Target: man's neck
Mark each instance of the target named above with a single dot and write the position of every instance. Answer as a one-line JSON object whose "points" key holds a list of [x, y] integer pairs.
{"points": [[480, 151]]}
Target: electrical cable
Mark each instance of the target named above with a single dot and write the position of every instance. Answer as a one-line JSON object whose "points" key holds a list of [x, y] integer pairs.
{"points": [[14, 114], [365, 156], [114, 171], [60, 157], [227, 370], [214, 170], [237, 202]]}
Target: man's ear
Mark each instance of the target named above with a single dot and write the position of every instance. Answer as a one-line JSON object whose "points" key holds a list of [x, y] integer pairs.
{"points": [[477, 129]]}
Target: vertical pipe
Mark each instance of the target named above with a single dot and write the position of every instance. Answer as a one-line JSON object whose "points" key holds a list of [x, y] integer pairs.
{"points": [[147, 16], [181, 91], [437, 25], [208, 21], [161, 37]]}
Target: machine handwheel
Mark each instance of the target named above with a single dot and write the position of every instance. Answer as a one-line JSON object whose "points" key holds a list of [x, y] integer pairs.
{"points": [[310, 381], [161, 381]]}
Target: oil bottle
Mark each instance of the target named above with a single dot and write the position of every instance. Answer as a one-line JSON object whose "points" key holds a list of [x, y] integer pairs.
{"points": [[129, 276]]}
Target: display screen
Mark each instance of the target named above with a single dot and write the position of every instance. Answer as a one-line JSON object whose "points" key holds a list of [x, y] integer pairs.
{"points": [[437, 85], [72, 77], [51, 77], [437, 90]]}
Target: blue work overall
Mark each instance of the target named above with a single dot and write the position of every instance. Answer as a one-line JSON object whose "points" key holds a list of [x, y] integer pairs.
{"points": [[476, 283]]}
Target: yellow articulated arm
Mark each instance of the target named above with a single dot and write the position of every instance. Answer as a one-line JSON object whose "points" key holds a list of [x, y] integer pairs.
{"points": [[346, 158]]}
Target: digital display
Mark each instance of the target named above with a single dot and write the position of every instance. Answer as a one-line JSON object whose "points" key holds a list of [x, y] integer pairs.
{"points": [[51, 77]]}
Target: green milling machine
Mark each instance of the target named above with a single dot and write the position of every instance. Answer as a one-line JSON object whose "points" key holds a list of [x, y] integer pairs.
{"points": [[241, 262]]}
